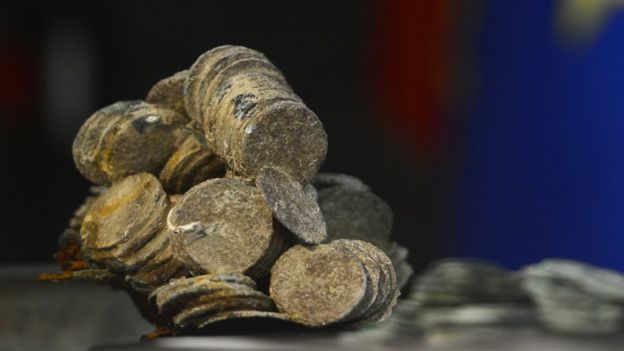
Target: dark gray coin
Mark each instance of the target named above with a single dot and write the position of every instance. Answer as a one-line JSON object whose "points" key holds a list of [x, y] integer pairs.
{"points": [[292, 206], [130, 210], [324, 180], [357, 214]]}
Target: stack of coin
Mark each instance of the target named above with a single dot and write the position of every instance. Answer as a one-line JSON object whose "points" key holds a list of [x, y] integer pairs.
{"points": [[190, 164], [126, 138], [196, 302], [576, 297], [251, 116], [123, 230], [344, 281]]}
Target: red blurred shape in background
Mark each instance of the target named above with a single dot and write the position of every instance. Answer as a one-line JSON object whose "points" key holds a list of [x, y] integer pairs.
{"points": [[17, 83], [411, 71]]}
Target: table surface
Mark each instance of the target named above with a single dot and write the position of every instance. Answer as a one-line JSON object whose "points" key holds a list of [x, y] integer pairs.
{"points": [[83, 316]]}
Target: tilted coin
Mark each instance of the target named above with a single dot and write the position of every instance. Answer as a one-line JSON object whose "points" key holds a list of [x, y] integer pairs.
{"points": [[194, 313], [222, 316], [390, 287], [203, 71], [169, 92], [358, 214], [154, 252], [292, 206], [182, 290], [124, 218], [76, 221], [190, 164], [150, 277], [223, 226], [126, 138], [318, 285]]}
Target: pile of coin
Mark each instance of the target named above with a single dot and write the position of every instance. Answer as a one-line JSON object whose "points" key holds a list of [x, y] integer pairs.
{"points": [[576, 297], [461, 300], [210, 185]]}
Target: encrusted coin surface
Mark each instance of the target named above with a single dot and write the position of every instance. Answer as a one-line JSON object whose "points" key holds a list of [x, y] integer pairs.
{"points": [[222, 226], [190, 164], [292, 206], [318, 285], [132, 210], [126, 138]]}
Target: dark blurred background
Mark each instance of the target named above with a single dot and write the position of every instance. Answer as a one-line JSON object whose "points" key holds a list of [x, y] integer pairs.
{"points": [[493, 129]]}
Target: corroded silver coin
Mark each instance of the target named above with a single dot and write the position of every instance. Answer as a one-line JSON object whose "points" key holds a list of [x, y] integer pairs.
{"points": [[292, 206]]}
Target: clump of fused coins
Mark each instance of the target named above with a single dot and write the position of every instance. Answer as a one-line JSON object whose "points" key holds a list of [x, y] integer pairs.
{"points": [[208, 206]]}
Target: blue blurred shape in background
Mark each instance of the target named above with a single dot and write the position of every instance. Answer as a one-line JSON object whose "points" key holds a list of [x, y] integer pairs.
{"points": [[543, 167]]}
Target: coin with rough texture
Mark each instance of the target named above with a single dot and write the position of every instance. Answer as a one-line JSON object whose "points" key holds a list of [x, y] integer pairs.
{"points": [[251, 116], [458, 281], [318, 285], [194, 314], [151, 277], [292, 206], [181, 291], [352, 213], [190, 164], [377, 295], [131, 210], [76, 221], [126, 138], [222, 226], [390, 289], [169, 92]]}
